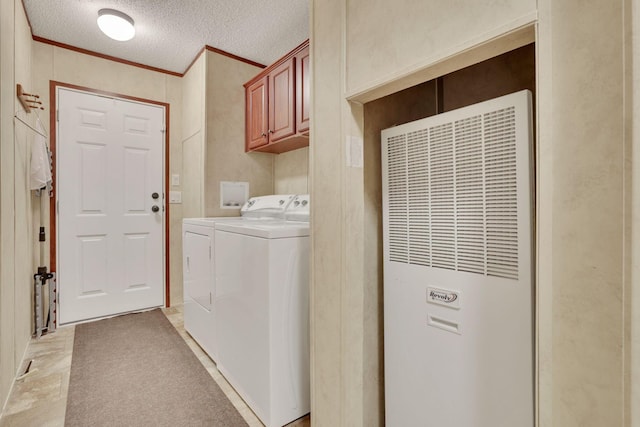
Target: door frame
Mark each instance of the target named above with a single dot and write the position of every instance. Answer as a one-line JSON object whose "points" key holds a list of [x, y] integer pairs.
{"points": [[53, 214]]}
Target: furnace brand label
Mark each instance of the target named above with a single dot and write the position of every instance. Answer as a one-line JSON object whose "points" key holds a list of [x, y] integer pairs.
{"points": [[445, 297]]}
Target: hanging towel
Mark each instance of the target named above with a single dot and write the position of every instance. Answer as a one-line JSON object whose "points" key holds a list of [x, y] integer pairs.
{"points": [[40, 165]]}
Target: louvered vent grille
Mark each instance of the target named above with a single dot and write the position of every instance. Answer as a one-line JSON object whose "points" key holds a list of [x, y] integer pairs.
{"points": [[452, 196], [470, 195], [442, 197], [501, 194], [398, 218], [419, 205]]}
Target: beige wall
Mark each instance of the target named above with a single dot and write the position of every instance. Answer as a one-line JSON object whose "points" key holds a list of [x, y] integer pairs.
{"points": [[582, 212], [224, 152], [291, 172], [193, 139], [7, 284], [581, 196], [192, 178], [174, 97], [17, 205], [387, 42], [633, 350], [26, 204], [328, 224]]}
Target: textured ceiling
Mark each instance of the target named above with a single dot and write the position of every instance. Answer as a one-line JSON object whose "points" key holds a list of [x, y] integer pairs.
{"points": [[170, 33]]}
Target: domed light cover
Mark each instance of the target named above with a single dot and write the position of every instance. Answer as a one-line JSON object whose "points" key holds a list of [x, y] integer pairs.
{"points": [[116, 24]]}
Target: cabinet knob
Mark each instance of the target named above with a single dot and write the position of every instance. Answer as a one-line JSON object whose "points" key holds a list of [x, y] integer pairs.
{"points": [[264, 134], [270, 131]]}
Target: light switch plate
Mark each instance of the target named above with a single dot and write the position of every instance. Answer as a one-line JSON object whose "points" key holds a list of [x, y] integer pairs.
{"points": [[175, 180], [355, 154], [175, 196]]}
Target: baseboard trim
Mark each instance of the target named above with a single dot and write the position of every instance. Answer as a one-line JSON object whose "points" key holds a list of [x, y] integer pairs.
{"points": [[15, 377]]}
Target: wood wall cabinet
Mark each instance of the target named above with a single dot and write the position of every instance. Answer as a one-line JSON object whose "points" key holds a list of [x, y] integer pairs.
{"points": [[282, 98], [277, 104], [303, 91], [256, 105]]}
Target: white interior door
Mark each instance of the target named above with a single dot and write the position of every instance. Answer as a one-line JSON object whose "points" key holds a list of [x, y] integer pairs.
{"points": [[110, 241]]}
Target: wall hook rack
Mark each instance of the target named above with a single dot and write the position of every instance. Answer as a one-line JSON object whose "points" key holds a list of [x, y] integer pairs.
{"points": [[29, 101]]}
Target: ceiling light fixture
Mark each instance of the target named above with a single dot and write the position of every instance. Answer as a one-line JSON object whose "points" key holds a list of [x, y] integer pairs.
{"points": [[116, 24]]}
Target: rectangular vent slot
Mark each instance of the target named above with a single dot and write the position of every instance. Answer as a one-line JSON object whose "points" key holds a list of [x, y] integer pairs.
{"points": [[452, 199], [398, 218], [501, 199], [419, 205], [442, 197], [470, 201]]}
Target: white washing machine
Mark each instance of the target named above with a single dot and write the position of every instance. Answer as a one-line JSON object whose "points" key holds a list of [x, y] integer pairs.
{"points": [[262, 279], [199, 289]]}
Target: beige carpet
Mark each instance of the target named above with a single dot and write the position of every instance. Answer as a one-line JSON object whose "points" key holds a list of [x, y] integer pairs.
{"points": [[136, 370]]}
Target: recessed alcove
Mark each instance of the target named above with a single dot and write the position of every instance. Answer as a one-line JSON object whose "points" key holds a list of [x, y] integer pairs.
{"points": [[507, 73]]}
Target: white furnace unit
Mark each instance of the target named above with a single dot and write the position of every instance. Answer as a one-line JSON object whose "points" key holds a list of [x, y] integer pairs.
{"points": [[458, 279]]}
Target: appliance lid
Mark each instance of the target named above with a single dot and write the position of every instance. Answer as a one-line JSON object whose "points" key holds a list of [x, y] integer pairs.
{"points": [[266, 229], [210, 221]]}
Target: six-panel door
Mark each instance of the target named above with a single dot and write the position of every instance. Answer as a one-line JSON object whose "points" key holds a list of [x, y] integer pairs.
{"points": [[110, 226]]}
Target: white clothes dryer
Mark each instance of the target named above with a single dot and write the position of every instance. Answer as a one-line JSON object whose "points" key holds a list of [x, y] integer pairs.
{"points": [[198, 265]]}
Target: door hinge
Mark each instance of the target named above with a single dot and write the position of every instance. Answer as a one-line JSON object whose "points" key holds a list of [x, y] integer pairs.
{"points": [[57, 115], [209, 251], [210, 299], [57, 206]]}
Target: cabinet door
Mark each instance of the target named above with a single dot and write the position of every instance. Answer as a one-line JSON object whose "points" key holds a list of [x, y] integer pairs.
{"points": [[303, 91], [256, 114], [282, 101]]}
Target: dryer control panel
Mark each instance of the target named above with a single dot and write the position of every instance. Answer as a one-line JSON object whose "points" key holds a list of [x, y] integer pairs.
{"points": [[298, 210]]}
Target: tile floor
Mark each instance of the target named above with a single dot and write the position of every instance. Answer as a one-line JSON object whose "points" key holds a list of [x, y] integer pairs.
{"points": [[39, 399]]}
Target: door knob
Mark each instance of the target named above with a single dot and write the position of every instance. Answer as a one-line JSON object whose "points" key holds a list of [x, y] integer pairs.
{"points": [[155, 208], [154, 196]]}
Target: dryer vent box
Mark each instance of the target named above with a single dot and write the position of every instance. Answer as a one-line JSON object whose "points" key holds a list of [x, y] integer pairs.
{"points": [[233, 194]]}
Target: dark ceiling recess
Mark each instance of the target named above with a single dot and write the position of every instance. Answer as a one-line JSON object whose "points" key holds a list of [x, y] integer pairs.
{"points": [[507, 73], [504, 74]]}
